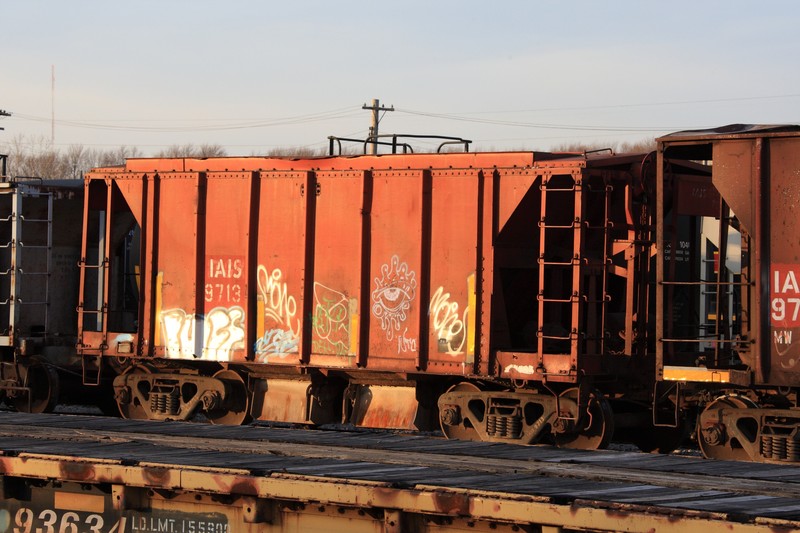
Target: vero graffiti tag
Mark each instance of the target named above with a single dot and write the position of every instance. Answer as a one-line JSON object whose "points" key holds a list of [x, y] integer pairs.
{"points": [[281, 321], [448, 324]]}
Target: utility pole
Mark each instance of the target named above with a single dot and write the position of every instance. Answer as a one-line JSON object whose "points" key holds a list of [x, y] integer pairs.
{"points": [[373, 130], [4, 113], [52, 104]]}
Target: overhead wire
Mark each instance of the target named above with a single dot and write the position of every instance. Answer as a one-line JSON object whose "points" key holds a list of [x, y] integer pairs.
{"points": [[465, 116], [232, 125], [627, 105]]}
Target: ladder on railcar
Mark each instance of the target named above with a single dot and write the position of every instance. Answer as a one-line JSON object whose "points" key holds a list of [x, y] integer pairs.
{"points": [[573, 281], [559, 265], [26, 238]]}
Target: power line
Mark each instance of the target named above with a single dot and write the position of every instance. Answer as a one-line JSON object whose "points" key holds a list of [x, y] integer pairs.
{"points": [[233, 124], [464, 116], [571, 127], [4, 113], [622, 106]]}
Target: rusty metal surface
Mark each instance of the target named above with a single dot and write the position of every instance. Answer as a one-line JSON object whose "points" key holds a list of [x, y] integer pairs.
{"points": [[412, 473], [734, 130], [755, 172], [389, 267], [784, 246]]}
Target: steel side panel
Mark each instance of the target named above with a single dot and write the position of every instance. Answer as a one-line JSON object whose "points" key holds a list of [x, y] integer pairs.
{"points": [[784, 271], [337, 287], [149, 325], [452, 302], [357, 163], [396, 270], [732, 175], [226, 287], [132, 188], [484, 276], [512, 186], [178, 317], [280, 272]]}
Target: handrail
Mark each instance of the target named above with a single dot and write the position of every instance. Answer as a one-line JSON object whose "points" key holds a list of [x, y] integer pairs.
{"points": [[374, 140]]}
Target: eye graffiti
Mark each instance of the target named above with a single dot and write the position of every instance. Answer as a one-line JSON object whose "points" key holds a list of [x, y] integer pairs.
{"points": [[393, 294]]}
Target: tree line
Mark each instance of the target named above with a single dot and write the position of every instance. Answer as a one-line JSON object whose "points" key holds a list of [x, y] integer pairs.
{"points": [[40, 159]]}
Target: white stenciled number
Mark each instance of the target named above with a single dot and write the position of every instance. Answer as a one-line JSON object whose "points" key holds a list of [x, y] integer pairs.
{"points": [[778, 309], [68, 523], [795, 303], [119, 527], [48, 518], [23, 520], [783, 308], [95, 523], [236, 294]]}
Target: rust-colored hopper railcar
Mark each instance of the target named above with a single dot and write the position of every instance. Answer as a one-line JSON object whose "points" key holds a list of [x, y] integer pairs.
{"points": [[504, 291]]}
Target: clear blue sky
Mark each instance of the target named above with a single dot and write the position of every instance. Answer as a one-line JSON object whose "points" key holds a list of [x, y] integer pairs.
{"points": [[255, 75]]}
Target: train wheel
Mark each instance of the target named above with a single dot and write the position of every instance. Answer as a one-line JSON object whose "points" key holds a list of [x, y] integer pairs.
{"points": [[42, 382], [711, 433], [454, 425], [235, 410], [128, 403], [593, 428]]}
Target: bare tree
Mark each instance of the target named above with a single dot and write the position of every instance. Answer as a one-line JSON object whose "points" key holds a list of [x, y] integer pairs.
{"points": [[36, 157], [297, 152], [645, 145], [191, 150], [110, 158]]}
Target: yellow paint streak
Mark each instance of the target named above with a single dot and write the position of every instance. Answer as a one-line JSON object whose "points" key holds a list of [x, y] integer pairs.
{"points": [[354, 325], [471, 307], [159, 308], [691, 373], [260, 317]]}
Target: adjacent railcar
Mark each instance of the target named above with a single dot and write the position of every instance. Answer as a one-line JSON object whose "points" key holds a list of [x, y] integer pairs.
{"points": [[40, 234], [728, 291]]}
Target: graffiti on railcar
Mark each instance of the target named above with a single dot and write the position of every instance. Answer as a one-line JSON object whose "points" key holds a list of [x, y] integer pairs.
{"points": [[394, 292], [281, 320], [406, 344], [333, 316], [276, 342], [449, 325], [221, 333]]}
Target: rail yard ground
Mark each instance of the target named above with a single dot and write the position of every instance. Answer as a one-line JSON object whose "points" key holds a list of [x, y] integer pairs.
{"points": [[92, 473]]}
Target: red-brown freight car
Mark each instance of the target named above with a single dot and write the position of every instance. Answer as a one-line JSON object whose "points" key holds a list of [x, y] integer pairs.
{"points": [[369, 289], [728, 290]]}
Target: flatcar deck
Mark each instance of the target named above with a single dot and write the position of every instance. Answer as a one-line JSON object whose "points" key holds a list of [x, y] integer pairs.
{"points": [[148, 473]]}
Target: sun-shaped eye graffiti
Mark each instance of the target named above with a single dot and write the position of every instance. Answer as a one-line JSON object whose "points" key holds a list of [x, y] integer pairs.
{"points": [[393, 294]]}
